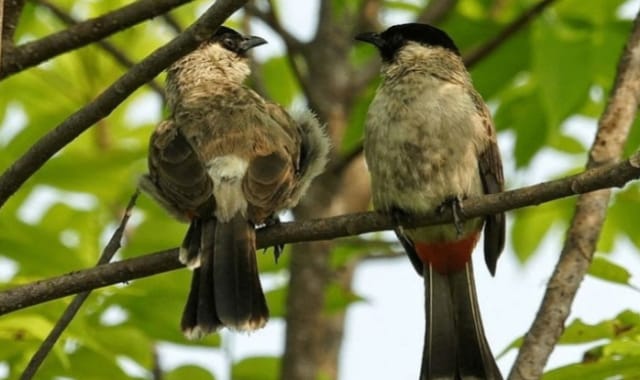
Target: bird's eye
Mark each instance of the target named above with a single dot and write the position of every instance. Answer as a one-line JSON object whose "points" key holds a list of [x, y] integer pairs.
{"points": [[230, 43]]}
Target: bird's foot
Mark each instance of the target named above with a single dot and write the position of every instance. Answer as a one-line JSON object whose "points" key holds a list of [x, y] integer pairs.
{"points": [[278, 248], [455, 203], [399, 216]]}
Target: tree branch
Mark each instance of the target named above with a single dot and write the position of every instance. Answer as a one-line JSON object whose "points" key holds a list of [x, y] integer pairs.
{"points": [[117, 54], [172, 23], [583, 234], [10, 11], [108, 100], [36, 52], [70, 312], [322, 229], [293, 45]]}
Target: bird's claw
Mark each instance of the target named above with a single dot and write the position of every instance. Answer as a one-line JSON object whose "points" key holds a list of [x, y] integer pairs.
{"points": [[278, 248], [455, 203], [399, 216]]}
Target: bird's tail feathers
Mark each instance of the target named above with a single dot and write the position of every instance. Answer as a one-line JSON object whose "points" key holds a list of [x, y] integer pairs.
{"points": [[200, 316], [225, 288], [314, 151], [455, 346], [240, 302]]}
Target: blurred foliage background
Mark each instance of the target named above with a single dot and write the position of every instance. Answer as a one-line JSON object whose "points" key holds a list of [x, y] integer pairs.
{"points": [[546, 85]]}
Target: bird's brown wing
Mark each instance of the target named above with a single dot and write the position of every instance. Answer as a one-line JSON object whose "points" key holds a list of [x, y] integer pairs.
{"points": [[271, 174], [490, 166], [177, 177]]}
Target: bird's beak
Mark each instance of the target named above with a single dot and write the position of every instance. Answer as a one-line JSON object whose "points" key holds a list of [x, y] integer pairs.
{"points": [[372, 38], [251, 42]]}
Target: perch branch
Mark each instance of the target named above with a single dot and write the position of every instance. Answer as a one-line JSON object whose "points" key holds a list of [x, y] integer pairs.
{"points": [[330, 228]]}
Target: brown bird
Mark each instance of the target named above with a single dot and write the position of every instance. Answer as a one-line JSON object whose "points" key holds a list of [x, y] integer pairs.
{"points": [[430, 143], [227, 161]]}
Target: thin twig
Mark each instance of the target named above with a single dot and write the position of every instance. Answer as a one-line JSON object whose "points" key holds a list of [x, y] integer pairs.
{"points": [[84, 33], [116, 53], [70, 312], [436, 11], [591, 209], [270, 18], [294, 46], [616, 175], [507, 32], [108, 100], [172, 23]]}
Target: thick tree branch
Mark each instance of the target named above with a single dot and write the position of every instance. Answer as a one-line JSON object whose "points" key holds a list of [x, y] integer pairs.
{"points": [[583, 234], [330, 228], [70, 312], [36, 52], [108, 100], [108, 47]]}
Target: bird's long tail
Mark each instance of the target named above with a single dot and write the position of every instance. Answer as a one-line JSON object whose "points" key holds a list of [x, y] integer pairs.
{"points": [[455, 347], [225, 288]]}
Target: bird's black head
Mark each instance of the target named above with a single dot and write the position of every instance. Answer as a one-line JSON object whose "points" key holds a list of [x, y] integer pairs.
{"points": [[234, 41], [393, 39]]}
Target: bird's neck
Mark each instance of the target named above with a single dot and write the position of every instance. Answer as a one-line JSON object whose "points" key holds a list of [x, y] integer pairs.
{"points": [[209, 71], [415, 60]]}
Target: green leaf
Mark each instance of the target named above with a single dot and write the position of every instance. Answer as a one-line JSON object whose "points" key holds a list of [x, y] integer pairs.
{"points": [[190, 372], [564, 83], [263, 368], [607, 270], [626, 368], [277, 300], [279, 80], [567, 144], [579, 332], [337, 298], [522, 111], [499, 70], [532, 224]]}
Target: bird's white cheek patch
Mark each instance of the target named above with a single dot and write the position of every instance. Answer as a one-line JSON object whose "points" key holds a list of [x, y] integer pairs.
{"points": [[227, 172]]}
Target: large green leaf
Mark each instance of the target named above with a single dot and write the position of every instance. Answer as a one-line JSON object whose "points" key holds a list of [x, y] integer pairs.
{"points": [[557, 51], [279, 81]]}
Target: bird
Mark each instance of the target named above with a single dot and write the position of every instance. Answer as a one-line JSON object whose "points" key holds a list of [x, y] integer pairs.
{"points": [[226, 161], [429, 144]]}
